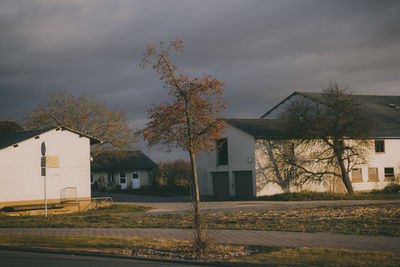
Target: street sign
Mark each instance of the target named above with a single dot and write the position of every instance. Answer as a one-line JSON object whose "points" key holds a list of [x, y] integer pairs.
{"points": [[43, 162], [43, 149]]}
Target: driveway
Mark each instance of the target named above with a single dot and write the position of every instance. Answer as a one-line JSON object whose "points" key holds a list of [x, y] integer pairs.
{"points": [[163, 205]]}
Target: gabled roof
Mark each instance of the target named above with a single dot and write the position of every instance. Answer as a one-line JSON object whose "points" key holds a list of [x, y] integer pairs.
{"points": [[260, 128], [132, 160], [383, 110], [10, 139]]}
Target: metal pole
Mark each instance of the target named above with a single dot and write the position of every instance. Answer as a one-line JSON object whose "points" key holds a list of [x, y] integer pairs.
{"points": [[45, 198], [43, 170]]}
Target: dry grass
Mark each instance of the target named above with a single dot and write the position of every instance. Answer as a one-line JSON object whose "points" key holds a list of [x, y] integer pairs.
{"points": [[369, 220], [365, 219], [129, 246], [321, 257]]}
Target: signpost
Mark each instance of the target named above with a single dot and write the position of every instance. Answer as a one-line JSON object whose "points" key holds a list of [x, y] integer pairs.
{"points": [[43, 173]]}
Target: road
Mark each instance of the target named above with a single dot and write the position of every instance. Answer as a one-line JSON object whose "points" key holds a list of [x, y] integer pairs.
{"points": [[163, 205], [10, 258]]}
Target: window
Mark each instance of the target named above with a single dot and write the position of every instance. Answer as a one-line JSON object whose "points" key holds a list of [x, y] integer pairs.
{"points": [[379, 146], [222, 152], [389, 174], [135, 175], [122, 178], [356, 175], [373, 175]]}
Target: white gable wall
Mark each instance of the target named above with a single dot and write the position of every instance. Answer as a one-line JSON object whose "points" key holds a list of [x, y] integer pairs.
{"points": [[21, 178], [240, 158]]}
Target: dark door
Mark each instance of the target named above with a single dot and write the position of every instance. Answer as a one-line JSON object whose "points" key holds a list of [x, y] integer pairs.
{"points": [[244, 184], [221, 185]]}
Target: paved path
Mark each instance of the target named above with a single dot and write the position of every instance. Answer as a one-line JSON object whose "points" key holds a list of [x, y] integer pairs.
{"points": [[245, 237]]}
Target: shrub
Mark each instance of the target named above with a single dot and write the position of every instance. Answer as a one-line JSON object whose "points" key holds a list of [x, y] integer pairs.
{"points": [[391, 189], [388, 193]]}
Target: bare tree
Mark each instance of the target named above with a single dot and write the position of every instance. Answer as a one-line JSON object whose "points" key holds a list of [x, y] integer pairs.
{"points": [[83, 114], [333, 132]]}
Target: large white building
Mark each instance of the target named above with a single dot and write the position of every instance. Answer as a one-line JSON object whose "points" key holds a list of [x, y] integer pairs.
{"points": [[235, 170], [67, 171]]}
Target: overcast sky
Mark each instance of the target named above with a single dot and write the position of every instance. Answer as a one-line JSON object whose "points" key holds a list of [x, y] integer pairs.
{"points": [[264, 50]]}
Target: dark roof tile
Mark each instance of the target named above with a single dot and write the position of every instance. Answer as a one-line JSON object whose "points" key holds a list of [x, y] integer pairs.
{"points": [[383, 110], [133, 160], [7, 140]]}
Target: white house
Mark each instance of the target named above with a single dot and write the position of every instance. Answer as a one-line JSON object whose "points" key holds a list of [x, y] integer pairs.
{"points": [[131, 171], [67, 171], [234, 170]]}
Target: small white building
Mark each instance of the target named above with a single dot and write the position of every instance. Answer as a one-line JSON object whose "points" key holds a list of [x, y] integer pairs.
{"points": [[234, 170], [67, 171], [132, 170]]}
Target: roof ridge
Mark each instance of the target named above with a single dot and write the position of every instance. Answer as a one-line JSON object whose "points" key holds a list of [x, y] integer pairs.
{"points": [[372, 95]]}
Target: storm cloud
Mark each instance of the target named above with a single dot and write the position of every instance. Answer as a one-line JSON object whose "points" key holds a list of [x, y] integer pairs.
{"points": [[263, 50]]}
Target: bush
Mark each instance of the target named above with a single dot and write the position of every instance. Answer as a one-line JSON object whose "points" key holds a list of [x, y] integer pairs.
{"points": [[391, 189], [388, 193], [304, 195]]}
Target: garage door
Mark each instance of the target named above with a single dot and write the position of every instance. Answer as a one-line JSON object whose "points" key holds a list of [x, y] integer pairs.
{"points": [[221, 185], [243, 184]]}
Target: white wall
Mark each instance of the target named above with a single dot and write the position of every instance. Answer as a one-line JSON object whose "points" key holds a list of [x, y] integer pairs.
{"points": [[242, 148], [144, 176], [240, 158], [21, 178], [390, 158], [380, 160]]}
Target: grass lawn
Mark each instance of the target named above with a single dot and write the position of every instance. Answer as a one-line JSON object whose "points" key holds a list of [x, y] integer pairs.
{"points": [[173, 249], [379, 219]]}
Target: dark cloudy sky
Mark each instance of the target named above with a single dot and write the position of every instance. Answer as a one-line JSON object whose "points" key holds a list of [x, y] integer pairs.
{"points": [[264, 50]]}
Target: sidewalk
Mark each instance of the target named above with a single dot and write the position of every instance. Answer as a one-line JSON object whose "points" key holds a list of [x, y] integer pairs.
{"points": [[245, 237]]}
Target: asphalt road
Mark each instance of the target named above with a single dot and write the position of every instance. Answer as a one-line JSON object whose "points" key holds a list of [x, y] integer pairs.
{"points": [[9, 258]]}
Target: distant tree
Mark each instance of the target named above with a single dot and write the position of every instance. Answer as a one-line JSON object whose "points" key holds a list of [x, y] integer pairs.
{"points": [[191, 120], [333, 134], [83, 114], [175, 173]]}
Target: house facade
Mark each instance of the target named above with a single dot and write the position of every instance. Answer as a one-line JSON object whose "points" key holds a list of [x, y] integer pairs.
{"points": [[237, 168], [134, 170], [67, 160]]}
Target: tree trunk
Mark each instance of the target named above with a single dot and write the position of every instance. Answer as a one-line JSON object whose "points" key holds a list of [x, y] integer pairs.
{"points": [[345, 176], [200, 237]]}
